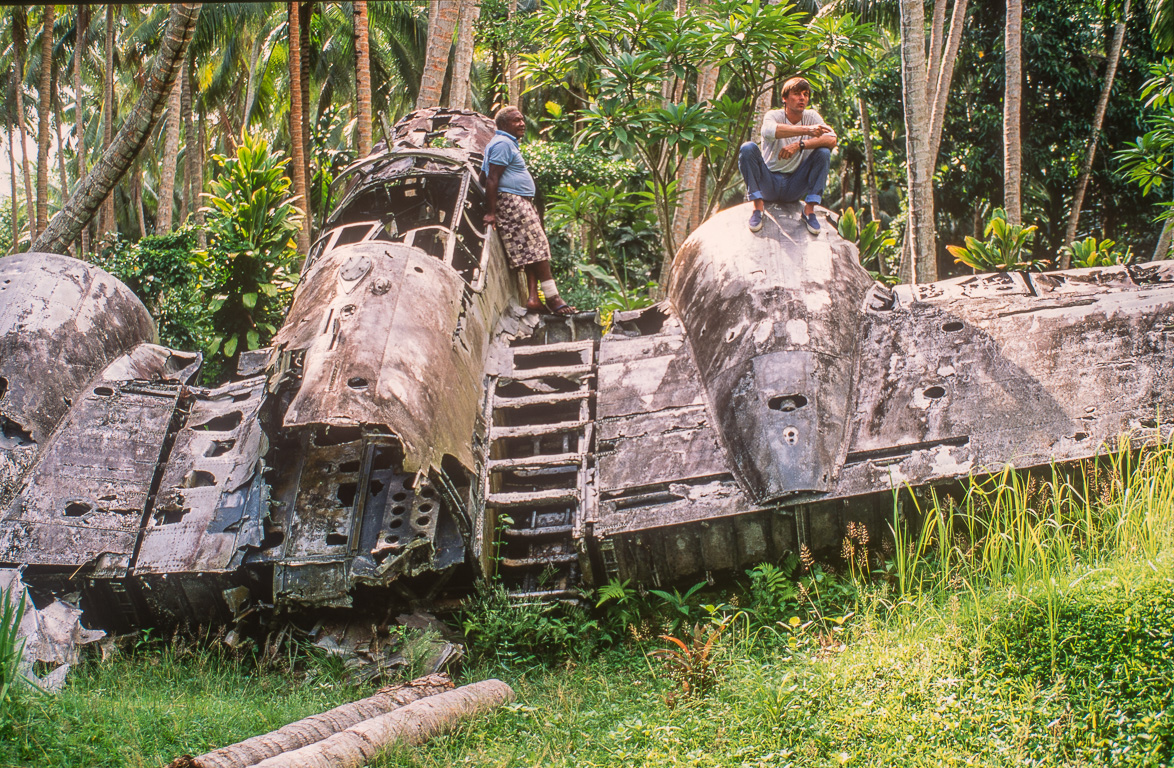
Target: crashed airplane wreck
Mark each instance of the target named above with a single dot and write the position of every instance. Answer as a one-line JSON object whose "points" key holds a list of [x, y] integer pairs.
{"points": [[413, 431]]}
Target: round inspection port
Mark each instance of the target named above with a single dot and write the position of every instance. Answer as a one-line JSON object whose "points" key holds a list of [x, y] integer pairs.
{"points": [[357, 382], [935, 392], [952, 327]]}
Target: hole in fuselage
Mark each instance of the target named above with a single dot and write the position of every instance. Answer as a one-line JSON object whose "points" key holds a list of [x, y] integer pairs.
{"points": [[77, 508], [198, 478], [787, 403], [103, 391], [346, 494], [333, 539], [357, 382], [219, 448], [952, 326], [171, 516], [349, 466], [225, 423], [376, 487], [933, 393], [3, 386], [1079, 436], [328, 435]]}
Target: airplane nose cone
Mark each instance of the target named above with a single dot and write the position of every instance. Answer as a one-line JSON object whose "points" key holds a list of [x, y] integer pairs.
{"points": [[773, 319]]}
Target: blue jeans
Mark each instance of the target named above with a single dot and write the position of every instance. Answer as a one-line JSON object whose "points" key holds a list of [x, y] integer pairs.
{"points": [[805, 183]]}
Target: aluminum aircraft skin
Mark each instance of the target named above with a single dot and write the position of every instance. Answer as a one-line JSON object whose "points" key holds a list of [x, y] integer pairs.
{"points": [[413, 431]]}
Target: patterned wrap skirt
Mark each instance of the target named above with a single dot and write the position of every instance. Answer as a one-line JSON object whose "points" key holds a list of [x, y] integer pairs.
{"points": [[521, 230]]}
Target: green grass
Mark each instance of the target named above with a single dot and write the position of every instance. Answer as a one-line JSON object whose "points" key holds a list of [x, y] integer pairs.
{"points": [[1029, 621], [163, 700]]}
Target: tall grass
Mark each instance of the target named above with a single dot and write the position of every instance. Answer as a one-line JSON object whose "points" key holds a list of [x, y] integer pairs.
{"points": [[1034, 535], [12, 606]]}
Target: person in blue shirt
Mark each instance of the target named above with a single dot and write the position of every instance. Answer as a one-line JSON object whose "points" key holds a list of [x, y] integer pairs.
{"points": [[509, 191]]}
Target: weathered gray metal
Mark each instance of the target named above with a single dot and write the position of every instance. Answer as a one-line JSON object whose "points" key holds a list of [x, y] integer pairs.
{"points": [[412, 430], [61, 323]]}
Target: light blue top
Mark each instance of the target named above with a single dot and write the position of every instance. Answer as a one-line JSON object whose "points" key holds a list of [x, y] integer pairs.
{"points": [[515, 179]]}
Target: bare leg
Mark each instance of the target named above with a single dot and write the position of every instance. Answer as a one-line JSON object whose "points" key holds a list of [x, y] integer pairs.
{"points": [[533, 303], [539, 272]]}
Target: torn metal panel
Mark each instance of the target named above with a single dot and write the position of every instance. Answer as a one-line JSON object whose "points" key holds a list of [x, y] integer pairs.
{"points": [[85, 500], [773, 324], [211, 504], [52, 635], [350, 515], [61, 322]]}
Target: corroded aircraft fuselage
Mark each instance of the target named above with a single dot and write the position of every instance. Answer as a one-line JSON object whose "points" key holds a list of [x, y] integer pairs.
{"points": [[412, 430]]}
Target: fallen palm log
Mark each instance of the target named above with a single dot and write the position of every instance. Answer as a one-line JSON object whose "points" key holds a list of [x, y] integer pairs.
{"points": [[315, 728], [413, 724]]}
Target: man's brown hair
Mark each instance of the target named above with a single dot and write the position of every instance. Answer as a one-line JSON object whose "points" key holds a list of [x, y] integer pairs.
{"points": [[503, 113], [796, 84]]}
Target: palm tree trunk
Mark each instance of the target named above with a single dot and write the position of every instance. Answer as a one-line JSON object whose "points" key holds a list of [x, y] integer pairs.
{"points": [[690, 210], [934, 56], [198, 182], [363, 76], [941, 79], [297, 146], [869, 164], [1094, 135], [513, 80], [44, 107], [442, 19], [919, 259], [20, 41], [12, 180], [1012, 109], [460, 95], [90, 192], [1162, 250], [170, 157], [307, 13], [136, 199], [106, 218], [83, 24], [190, 152], [57, 123]]}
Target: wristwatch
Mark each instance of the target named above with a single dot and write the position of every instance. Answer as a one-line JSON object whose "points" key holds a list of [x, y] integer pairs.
{"points": [[801, 142]]}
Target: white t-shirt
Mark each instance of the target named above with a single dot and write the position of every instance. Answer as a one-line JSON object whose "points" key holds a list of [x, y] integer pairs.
{"points": [[771, 146]]}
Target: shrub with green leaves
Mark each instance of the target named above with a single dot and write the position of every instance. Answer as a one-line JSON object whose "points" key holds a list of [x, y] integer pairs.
{"points": [[163, 271], [499, 628], [1007, 248], [251, 262], [1106, 253], [555, 164], [876, 247], [1114, 662]]}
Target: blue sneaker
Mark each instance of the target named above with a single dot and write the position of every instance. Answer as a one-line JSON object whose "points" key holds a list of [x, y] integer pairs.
{"points": [[811, 222], [755, 220]]}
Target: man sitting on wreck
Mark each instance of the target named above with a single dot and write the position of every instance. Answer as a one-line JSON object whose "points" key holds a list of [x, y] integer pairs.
{"points": [[509, 189], [792, 163]]}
